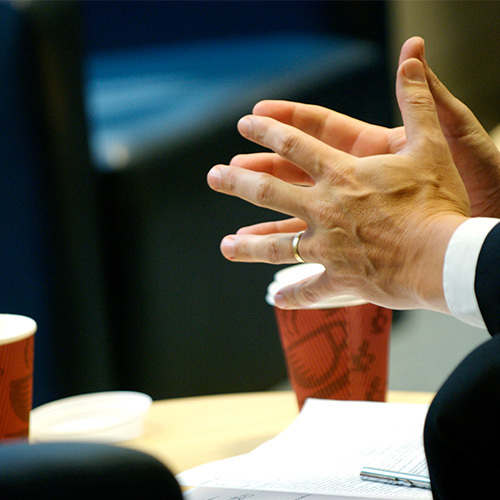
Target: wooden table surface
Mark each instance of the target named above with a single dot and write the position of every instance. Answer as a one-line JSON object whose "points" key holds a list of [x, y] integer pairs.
{"points": [[186, 432]]}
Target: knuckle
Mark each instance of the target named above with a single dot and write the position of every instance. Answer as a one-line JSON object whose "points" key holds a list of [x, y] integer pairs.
{"points": [[263, 190], [324, 254], [421, 98], [325, 214], [229, 180], [309, 295], [288, 144], [273, 252]]}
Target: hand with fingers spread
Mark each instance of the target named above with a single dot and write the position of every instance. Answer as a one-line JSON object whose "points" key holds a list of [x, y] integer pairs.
{"points": [[378, 206], [405, 218]]}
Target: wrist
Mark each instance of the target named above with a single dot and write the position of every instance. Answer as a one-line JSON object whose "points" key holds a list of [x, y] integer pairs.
{"points": [[430, 253]]}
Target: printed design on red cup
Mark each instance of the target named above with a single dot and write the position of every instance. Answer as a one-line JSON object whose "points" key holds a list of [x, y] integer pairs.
{"points": [[338, 388], [376, 389], [20, 397], [380, 320], [315, 355], [362, 359], [370, 327]]}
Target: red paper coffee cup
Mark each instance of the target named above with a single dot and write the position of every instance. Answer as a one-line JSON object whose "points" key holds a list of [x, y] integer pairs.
{"points": [[17, 335], [337, 350]]}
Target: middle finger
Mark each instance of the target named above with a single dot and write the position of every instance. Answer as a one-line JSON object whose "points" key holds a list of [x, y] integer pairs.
{"points": [[274, 165], [305, 151]]}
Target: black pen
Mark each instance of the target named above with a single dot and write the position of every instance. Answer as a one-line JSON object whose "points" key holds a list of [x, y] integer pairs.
{"points": [[395, 478]]}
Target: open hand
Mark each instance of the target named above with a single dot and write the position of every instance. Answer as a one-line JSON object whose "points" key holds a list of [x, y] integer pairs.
{"points": [[378, 205]]}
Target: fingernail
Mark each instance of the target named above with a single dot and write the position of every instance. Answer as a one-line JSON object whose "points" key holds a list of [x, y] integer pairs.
{"points": [[244, 125], [279, 301], [227, 247], [414, 70], [214, 178], [423, 49]]}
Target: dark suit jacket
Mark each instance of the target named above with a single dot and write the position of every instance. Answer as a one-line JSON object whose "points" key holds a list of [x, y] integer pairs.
{"points": [[487, 284], [462, 434]]}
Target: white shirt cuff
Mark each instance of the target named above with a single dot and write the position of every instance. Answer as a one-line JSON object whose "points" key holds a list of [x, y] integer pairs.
{"points": [[459, 271]]}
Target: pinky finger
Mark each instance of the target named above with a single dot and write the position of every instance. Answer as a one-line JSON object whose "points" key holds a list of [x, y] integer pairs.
{"points": [[282, 226]]}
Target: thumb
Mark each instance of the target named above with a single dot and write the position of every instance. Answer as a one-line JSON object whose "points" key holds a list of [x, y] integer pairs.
{"points": [[305, 293], [416, 102], [412, 48]]}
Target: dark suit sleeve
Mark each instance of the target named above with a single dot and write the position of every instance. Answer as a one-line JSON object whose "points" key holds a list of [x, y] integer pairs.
{"points": [[461, 434], [487, 283], [462, 431]]}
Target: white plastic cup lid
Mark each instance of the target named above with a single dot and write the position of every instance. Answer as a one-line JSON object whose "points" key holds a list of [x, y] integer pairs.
{"points": [[103, 417], [298, 272], [14, 327]]}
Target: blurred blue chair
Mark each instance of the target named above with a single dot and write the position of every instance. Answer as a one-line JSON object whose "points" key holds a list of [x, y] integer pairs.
{"points": [[207, 63], [136, 118], [143, 103]]}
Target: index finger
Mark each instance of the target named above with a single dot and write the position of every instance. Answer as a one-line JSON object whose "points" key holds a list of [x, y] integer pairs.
{"points": [[331, 127], [303, 150]]}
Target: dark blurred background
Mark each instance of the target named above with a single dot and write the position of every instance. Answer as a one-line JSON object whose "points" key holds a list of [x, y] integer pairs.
{"points": [[111, 114]]}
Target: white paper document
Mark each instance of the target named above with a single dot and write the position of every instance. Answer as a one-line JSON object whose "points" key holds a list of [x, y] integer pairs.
{"points": [[321, 454], [230, 494]]}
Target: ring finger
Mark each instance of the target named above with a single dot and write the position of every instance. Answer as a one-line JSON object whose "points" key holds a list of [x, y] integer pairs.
{"points": [[270, 249]]}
